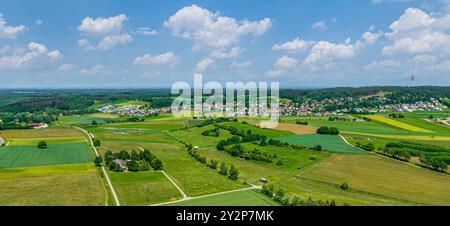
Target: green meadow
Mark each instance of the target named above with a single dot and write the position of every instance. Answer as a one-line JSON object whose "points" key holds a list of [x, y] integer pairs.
{"points": [[385, 177], [238, 198], [143, 188], [65, 185], [328, 142], [270, 133], [54, 154]]}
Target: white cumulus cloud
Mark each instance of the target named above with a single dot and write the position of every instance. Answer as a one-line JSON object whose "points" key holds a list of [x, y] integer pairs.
{"points": [[9, 32], [161, 59], [208, 29], [296, 45]]}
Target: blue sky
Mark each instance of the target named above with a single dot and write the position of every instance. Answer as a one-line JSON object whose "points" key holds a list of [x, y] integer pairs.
{"points": [[113, 43]]}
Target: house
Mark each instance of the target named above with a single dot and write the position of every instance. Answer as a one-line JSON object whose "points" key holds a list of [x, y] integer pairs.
{"points": [[38, 125], [121, 163]]}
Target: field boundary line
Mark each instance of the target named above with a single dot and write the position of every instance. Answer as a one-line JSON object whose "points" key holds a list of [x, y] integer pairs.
{"points": [[116, 199], [254, 187], [171, 181]]}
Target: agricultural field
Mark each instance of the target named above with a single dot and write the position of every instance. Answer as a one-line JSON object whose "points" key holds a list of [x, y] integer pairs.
{"points": [[58, 185], [55, 154], [253, 171], [162, 125], [194, 136], [143, 188], [422, 114], [422, 123], [383, 176], [297, 129], [360, 127], [194, 178], [83, 119], [398, 124], [238, 198], [328, 142], [53, 132], [270, 133]]}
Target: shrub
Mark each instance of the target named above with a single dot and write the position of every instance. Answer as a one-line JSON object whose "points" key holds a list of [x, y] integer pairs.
{"points": [[42, 145], [344, 186], [223, 169], [98, 161], [234, 173], [133, 166], [97, 143]]}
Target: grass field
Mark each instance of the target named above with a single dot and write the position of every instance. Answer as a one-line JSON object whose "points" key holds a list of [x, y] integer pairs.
{"points": [[330, 143], [50, 140], [383, 176], [422, 123], [102, 115], [194, 136], [68, 185], [422, 114], [163, 125], [41, 133], [143, 188], [238, 198], [405, 137], [55, 154], [193, 177], [361, 127], [80, 120], [398, 124]]}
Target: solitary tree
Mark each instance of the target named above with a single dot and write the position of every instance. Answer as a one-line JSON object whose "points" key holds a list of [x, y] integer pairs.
{"points": [[42, 145], [157, 164], [97, 143], [223, 169], [234, 173], [344, 186]]}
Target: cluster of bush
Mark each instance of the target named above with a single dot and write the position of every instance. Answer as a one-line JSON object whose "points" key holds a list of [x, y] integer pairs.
{"points": [[247, 135], [280, 197], [136, 161], [434, 157], [13, 126], [232, 172], [328, 130], [335, 118], [212, 133], [395, 115], [216, 120], [302, 123], [238, 150]]}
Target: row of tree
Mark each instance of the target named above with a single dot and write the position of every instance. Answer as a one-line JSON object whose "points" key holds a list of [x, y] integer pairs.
{"points": [[281, 197], [232, 173]]}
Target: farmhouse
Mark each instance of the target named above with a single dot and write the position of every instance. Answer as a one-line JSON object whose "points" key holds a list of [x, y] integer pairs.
{"points": [[38, 125], [121, 163]]}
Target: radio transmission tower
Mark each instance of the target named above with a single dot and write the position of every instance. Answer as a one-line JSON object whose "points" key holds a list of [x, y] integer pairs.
{"points": [[413, 79]]}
